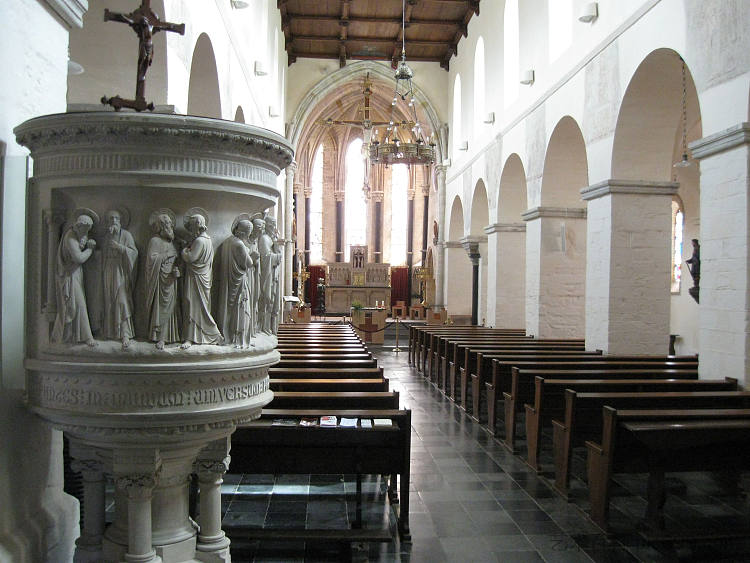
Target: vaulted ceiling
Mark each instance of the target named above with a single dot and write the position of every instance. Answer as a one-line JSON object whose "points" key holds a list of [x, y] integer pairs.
{"points": [[371, 29]]}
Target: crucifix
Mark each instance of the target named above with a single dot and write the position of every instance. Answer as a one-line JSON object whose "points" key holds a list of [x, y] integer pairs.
{"points": [[145, 23]]}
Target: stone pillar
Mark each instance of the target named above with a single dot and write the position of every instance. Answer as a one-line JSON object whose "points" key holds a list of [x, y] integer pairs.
{"points": [[724, 339], [439, 242], [340, 225], [471, 246], [139, 487], [555, 271], [288, 221], [377, 202], [410, 192], [629, 229], [212, 463], [89, 544], [425, 219], [308, 193], [506, 276]]}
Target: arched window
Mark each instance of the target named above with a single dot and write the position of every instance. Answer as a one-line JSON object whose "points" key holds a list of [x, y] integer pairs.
{"points": [[559, 26], [511, 51], [678, 221], [479, 86], [356, 206], [316, 209], [457, 136], [399, 187]]}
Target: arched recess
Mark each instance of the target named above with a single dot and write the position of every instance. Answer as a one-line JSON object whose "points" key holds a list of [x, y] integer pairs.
{"points": [[239, 115], [115, 72], [458, 266], [506, 249], [204, 96], [647, 143], [565, 166], [480, 218]]}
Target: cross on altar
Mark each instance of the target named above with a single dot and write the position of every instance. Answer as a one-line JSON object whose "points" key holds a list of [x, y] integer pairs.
{"points": [[144, 21]]}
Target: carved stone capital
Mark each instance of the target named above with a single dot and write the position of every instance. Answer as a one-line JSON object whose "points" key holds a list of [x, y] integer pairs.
{"points": [[90, 469], [307, 191], [410, 193], [339, 195], [208, 469], [426, 190], [441, 171], [138, 486], [376, 196]]}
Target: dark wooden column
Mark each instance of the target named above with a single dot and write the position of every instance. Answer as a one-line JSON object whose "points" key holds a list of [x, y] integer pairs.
{"points": [[378, 220], [425, 218], [307, 225], [339, 228], [474, 288]]}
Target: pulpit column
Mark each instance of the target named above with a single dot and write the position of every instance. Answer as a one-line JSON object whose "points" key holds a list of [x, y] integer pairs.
{"points": [[439, 240], [724, 341], [555, 271], [89, 544], [139, 488], [212, 463], [628, 237]]}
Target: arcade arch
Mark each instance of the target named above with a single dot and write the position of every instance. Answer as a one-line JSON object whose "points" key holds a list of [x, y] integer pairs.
{"points": [[204, 97]]}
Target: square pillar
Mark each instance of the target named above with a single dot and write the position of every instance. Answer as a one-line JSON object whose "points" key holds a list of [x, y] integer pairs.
{"points": [[506, 276], [627, 271], [724, 337], [555, 271]]}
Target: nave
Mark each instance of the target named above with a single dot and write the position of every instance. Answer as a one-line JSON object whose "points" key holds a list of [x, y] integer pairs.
{"points": [[472, 500]]}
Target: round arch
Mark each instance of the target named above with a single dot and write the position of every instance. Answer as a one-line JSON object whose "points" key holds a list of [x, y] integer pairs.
{"points": [[565, 165], [480, 210], [457, 267], [239, 115], [456, 221], [204, 97], [512, 200]]}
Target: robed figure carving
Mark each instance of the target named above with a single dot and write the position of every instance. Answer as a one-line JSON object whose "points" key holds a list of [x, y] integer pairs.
{"points": [[72, 322], [199, 326], [235, 311], [275, 302], [259, 225], [269, 261], [118, 276], [161, 274]]}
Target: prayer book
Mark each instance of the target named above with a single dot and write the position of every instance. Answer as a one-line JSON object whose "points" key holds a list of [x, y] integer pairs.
{"points": [[366, 423], [284, 422], [349, 422], [328, 421], [308, 421], [383, 422]]}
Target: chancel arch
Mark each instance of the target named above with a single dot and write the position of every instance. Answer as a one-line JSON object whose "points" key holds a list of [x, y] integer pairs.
{"points": [[506, 250], [204, 98]]}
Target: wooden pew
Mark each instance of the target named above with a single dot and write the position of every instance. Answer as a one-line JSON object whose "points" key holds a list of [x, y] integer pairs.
{"points": [[334, 400], [658, 441], [522, 381], [583, 418], [260, 447], [418, 345], [328, 384], [325, 372], [321, 363], [500, 383], [549, 395], [441, 345]]}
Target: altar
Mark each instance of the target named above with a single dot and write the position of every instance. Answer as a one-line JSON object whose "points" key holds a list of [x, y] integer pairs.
{"points": [[357, 282]]}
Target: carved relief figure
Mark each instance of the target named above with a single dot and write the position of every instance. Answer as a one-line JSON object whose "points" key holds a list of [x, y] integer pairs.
{"points": [[160, 280], [275, 303], [235, 312], [199, 326], [259, 225], [72, 321], [118, 275]]}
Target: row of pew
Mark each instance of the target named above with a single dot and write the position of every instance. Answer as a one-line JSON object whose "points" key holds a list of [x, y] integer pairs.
{"points": [[628, 413], [326, 370]]}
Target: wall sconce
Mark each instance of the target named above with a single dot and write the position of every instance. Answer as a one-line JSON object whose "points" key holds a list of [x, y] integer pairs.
{"points": [[272, 111], [589, 12], [527, 77], [490, 117], [239, 4], [463, 146], [260, 69]]}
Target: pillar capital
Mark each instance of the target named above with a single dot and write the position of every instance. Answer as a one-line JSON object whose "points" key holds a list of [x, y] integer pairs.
{"points": [[640, 187], [441, 170], [505, 228], [722, 141], [292, 167], [558, 212], [471, 246], [307, 191], [137, 485]]}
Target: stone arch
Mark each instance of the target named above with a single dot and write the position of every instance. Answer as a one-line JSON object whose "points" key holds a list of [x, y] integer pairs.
{"points": [[649, 114], [480, 210], [204, 98], [239, 115], [565, 166], [512, 200], [116, 70], [458, 266]]}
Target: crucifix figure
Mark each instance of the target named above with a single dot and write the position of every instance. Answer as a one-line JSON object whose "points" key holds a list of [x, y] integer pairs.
{"points": [[145, 23]]}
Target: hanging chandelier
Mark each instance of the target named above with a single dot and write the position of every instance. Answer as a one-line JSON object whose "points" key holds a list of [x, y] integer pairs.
{"points": [[403, 142]]}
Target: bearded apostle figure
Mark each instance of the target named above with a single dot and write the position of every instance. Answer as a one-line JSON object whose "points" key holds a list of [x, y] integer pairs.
{"points": [[161, 277], [118, 276], [235, 310], [72, 322], [199, 326]]}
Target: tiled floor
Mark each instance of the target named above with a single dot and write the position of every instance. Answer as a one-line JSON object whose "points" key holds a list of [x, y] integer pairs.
{"points": [[471, 500]]}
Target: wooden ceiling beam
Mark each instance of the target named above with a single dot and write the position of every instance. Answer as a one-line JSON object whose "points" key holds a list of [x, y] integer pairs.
{"points": [[400, 35], [378, 40], [354, 56], [360, 19], [343, 32]]}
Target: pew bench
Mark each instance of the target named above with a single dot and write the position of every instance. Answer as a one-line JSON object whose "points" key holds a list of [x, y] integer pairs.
{"points": [[334, 400], [328, 384], [326, 373], [659, 441]]}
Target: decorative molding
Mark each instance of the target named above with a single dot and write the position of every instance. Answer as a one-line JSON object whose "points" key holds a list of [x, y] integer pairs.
{"points": [[722, 141], [644, 187], [376, 196], [560, 212], [70, 11], [505, 228], [451, 244]]}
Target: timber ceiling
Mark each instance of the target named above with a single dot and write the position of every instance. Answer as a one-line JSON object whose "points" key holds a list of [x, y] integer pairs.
{"points": [[371, 29]]}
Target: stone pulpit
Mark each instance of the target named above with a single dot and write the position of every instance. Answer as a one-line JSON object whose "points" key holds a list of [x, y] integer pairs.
{"points": [[152, 306], [357, 281]]}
